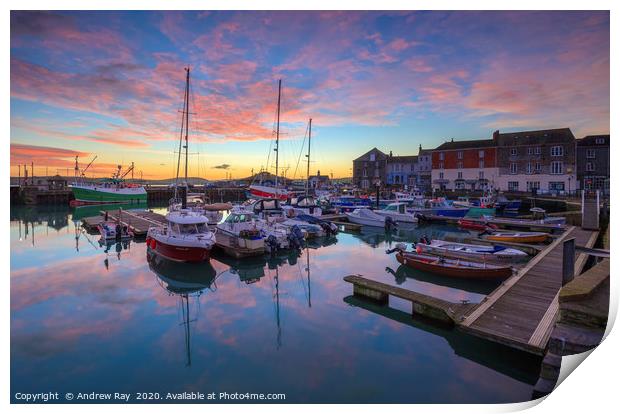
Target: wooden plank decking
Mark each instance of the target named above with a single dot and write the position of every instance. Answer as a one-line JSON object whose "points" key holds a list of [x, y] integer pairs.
{"points": [[425, 305], [138, 221], [521, 312]]}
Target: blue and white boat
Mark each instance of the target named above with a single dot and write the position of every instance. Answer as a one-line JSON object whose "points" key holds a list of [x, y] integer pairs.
{"points": [[348, 203]]}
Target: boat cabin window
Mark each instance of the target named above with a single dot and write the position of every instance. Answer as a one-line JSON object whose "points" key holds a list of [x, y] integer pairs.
{"points": [[188, 229]]}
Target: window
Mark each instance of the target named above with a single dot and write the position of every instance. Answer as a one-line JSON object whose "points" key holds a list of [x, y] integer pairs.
{"points": [[481, 164], [513, 186], [513, 168], [557, 167], [481, 175], [441, 156], [459, 155], [537, 150], [481, 154], [441, 175], [459, 165], [372, 156], [589, 166], [557, 151], [441, 165], [528, 168], [556, 186], [460, 175], [365, 172], [600, 141], [537, 167], [531, 185], [460, 185], [590, 153], [530, 150], [513, 152]]}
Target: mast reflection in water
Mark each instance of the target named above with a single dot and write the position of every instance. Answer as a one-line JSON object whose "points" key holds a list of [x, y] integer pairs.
{"points": [[184, 280]]}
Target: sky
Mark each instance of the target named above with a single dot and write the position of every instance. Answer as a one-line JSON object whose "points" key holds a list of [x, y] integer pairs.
{"points": [[110, 84]]}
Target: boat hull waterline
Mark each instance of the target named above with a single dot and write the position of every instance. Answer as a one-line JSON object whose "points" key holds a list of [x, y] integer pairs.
{"points": [[87, 194]]}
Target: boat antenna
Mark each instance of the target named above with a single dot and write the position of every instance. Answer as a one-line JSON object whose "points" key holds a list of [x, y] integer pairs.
{"points": [[76, 169], [308, 167], [278, 129]]}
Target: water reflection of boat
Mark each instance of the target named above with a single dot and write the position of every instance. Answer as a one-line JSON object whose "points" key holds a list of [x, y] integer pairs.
{"points": [[321, 242], [252, 269], [115, 246], [91, 210], [482, 287], [180, 277], [185, 280], [516, 364]]}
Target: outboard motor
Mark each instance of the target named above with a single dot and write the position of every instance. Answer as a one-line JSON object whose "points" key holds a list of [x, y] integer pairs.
{"points": [[400, 247], [271, 243], [118, 230], [296, 238]]}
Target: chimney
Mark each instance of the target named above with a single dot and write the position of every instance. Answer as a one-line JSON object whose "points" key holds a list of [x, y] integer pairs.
{"points": [[496, 136], [390, 154], [452, 140]]}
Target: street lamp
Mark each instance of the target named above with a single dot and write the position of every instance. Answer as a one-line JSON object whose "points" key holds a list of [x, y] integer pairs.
{"points": [[569, 171], [378, 186]]}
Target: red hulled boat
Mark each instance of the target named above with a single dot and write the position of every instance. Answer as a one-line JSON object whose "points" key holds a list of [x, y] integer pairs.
{"points": [[453, 267], [186, 237]]}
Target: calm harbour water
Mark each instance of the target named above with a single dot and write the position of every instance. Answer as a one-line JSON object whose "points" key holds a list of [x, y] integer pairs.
{"points": [[88, 318]]}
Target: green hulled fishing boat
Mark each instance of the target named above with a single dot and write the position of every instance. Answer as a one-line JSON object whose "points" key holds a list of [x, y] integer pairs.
{"points": [[111, 190]]}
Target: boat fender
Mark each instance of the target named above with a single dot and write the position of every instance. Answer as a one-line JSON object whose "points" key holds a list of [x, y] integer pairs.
{"points": [[418, 249]]}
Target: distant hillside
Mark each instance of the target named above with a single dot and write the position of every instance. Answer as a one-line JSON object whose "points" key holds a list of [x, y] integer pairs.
{"points": [[165, 181]]}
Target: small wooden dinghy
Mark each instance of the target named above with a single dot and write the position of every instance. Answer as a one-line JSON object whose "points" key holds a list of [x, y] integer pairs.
{"points": [[518, 237], [453, 267]]}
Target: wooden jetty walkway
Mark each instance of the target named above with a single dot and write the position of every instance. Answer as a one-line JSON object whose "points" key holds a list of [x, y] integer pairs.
{"points": [[138, 221], [520, 313], [422, 304]]}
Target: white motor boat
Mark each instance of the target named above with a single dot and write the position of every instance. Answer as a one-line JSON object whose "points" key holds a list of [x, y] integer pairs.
{"points": [[366, 217], [398, 212], [470, 251], [185, 238], [113, 231], [239, 236], [303, 205]]}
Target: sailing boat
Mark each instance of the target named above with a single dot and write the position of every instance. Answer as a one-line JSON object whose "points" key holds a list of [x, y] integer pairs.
{"points": [[262, 191], [186, 237], [305, 205]]}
